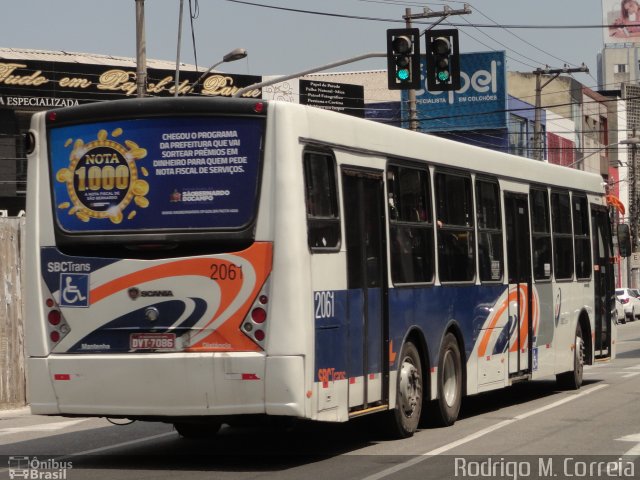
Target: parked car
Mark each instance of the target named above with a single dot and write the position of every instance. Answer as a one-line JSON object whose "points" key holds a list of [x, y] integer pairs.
{"points": [[620, 315], [630, 299]]}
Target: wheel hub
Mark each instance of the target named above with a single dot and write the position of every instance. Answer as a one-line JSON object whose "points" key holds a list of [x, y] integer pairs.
{"points": [[410, 389], [450, 381]]}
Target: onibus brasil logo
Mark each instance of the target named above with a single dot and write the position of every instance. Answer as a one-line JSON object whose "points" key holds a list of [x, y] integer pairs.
{"points": [[102, 178]]}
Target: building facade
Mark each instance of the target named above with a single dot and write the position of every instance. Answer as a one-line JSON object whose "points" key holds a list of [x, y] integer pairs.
{"points": [[36, 80]]}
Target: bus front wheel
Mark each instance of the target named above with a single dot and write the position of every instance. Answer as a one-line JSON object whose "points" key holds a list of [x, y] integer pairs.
{"points": [[572, 380]]}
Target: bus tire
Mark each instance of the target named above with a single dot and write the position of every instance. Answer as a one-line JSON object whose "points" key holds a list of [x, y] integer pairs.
{"points": [[449, 380], [197, 431], [404, 418], [572, 380]]}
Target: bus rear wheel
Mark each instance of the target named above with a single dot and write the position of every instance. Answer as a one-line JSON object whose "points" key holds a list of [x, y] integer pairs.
{"points": [[405, 417], [196, 431], [573, 380], [449, 383]]}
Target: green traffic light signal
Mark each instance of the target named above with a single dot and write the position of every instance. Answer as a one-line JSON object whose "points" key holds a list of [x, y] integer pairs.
{"points": [[443, 75], [403, 58], [403, 74], [443, 60]]}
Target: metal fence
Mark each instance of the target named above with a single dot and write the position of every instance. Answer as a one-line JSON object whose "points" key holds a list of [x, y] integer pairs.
{"points": [[12, 357]]}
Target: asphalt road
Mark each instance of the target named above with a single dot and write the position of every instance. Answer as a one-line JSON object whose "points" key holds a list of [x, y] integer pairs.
{"points": [[531, 430]]}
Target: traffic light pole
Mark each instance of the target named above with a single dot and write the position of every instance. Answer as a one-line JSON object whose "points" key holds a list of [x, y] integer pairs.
{"points": [[408, 16], [537, 127], [413, 110]]}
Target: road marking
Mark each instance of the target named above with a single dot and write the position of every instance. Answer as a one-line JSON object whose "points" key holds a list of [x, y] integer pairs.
{"points": [[108, 447], [123, 444], [45, 427], [635, 450], [481, 433], [629, 375]]}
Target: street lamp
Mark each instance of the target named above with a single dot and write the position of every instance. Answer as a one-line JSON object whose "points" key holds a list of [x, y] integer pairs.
{"points": [[232, 56], [593, 153]]}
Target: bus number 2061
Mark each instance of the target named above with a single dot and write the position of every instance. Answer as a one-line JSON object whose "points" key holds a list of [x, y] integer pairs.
{"points": [[324, 304]]}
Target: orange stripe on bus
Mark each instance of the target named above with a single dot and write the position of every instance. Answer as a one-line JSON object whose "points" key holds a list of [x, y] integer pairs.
{"points": [[259, 255], [482, 348]]}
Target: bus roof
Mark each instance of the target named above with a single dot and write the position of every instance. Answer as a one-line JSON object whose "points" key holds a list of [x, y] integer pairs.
{"points": [[339, 130], [344, 131]]}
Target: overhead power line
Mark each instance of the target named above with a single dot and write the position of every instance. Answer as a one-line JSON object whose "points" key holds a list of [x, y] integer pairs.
{"points": [[378, 19]]}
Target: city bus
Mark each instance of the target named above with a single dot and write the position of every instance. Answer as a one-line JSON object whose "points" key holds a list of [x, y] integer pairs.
{"points": [[203, 262]]}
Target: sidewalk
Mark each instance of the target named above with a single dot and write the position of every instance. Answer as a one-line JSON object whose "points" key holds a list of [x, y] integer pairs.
{"points": [[15, 412]]}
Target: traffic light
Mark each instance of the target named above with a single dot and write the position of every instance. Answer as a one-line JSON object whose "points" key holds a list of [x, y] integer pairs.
{"points": [[443, 60], [403, 58]]}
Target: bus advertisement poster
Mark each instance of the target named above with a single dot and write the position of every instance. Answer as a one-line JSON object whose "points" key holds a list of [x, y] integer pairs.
{"points": [[152, 173]]}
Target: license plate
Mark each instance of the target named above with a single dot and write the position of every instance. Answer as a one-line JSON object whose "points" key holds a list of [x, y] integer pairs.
{"points": [[152, 341]]}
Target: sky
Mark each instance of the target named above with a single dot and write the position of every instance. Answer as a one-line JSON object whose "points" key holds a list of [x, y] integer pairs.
{"points": [[285, 42]]}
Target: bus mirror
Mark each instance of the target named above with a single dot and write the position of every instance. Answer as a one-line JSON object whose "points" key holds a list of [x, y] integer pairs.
{"points": [[624, 240]]}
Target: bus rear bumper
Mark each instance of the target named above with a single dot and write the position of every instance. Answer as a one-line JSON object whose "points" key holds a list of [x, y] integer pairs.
{"points": [[157, 385]]}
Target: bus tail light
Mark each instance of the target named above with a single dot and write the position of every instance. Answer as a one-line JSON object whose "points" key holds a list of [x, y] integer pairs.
{"points": [[54, 317], [254, 325], [57, 326], [258, 315]]}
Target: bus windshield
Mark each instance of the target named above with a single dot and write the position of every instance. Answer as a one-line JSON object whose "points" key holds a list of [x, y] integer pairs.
{"points": [[151, 174]]}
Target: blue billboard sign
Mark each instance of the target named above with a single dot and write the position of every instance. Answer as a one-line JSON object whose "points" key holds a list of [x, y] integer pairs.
{"points": [[480, 103]]}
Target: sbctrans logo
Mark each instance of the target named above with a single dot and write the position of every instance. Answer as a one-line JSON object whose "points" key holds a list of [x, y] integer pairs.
{"points": [[37, 469]]}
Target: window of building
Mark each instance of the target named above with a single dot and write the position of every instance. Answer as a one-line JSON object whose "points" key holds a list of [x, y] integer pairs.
{"points": [[411, 224], [323, 219], [454, 217], [517, 135], [620, 68]]}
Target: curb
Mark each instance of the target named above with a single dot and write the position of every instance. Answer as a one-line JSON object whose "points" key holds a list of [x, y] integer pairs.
{"points": [[15, 412]]}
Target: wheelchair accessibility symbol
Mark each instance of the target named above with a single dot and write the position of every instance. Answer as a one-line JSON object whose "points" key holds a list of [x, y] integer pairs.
{"points": [[74, 290]]}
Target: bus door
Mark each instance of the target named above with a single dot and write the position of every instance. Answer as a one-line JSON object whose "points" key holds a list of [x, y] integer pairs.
{"points": [[363, 196], [603, 280], [520, 284]]}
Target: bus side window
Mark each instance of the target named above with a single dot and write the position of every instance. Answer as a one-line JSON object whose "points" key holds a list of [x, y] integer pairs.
{"points": [[411, 225], [540, 233], [581, 236], [562, 235], [454, 210], [323, 220], [490, 256]]}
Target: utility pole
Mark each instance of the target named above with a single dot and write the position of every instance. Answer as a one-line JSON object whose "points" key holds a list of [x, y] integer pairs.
{"points": [[427, 13], [141, 51], [632, 178], [537, 129]]}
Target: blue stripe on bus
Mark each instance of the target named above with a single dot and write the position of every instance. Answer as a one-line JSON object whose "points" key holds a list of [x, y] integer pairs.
{"points": [[339, 344], [116, 333]]}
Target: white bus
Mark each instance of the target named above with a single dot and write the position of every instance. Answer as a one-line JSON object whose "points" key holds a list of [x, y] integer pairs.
{"points": [[194, 261]]}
